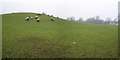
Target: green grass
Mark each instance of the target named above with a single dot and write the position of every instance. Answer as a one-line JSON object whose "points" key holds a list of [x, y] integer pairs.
{"points": [[48, 39]]}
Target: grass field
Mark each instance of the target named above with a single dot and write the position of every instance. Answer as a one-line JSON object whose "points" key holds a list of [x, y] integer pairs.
{"points": [[54, 39]]}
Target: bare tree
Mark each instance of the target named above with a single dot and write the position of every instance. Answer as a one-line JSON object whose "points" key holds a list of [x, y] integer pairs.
{"points": [[71, 18], [108, 20], [68, 19], [97, 17], [90, 20], [80, 20]]}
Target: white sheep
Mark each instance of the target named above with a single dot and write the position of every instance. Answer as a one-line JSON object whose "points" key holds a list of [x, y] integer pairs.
{"points": [[52, 19], [31, 17], [38, 19], [27, 18]]}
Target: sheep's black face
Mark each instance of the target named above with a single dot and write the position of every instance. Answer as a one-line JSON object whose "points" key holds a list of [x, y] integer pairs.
{"points": [[27, 19], [52, 20], [38, 20]]}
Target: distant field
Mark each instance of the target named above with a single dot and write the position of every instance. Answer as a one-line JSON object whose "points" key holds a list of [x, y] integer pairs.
{"points": [[56, 39]]}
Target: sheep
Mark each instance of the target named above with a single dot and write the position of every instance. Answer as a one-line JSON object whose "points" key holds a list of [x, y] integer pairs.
{"points": [[38, 19], [27, 18], [31, 17], [52, 19]]}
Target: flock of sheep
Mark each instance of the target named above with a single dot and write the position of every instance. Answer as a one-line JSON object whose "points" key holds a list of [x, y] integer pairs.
{"points": [[37, 18]]}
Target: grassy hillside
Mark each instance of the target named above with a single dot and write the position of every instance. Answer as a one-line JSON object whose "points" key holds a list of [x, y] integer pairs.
{"points": [[55, 39]]}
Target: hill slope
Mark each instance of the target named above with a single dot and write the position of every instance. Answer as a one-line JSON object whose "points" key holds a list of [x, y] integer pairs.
{"points": [[56, 39]]}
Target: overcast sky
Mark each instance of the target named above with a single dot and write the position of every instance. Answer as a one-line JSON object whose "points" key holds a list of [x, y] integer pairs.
{"points": [[64, 8]]}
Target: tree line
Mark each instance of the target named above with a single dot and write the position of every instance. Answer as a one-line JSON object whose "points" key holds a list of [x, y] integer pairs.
{"points": [[95, 20]]}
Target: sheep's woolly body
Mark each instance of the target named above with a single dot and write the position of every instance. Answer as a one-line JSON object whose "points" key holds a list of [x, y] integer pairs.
{"points": [[27, 17], [31, 17], [38, 18]]}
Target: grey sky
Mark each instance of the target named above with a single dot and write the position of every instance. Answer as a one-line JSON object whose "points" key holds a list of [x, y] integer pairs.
{"points": [[64, 8]]}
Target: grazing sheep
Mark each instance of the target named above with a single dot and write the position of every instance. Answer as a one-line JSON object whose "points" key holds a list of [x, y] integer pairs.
{"points": [[52, 19], [27, 18], [31, 17], [38, 19]]}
